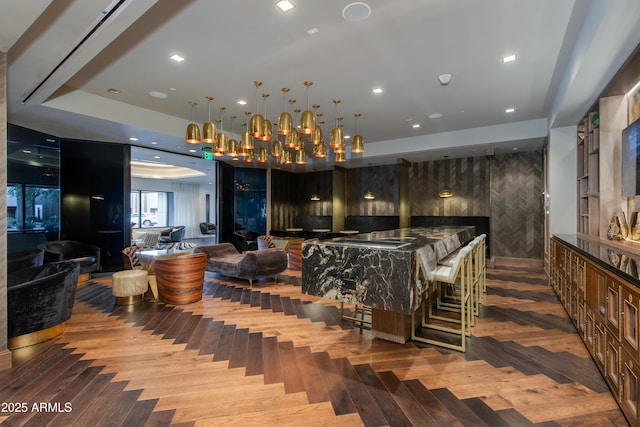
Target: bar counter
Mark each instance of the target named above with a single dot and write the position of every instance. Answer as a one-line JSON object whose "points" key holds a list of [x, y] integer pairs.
{"points": [[378, 269]]}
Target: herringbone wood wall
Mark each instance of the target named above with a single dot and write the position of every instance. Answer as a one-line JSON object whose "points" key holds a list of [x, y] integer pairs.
{"points": [[383, 182], [517, 214], [468, 178], [508, 189]]}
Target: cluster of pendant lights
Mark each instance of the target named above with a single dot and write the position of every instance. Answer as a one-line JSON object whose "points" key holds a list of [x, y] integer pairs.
{"points": [[288, 150]]}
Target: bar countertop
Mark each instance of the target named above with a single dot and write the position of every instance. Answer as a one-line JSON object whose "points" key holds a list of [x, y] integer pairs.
{"points": [[618, 259], [377, 269]]}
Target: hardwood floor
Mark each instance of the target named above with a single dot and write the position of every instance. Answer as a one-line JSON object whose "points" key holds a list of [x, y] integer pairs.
{"points": [[272, 356]]}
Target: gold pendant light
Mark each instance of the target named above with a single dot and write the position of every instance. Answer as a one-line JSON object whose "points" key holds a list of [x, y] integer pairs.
{"points": [[285, 122], [256, 127], [308, 119], [316, 137], [208, 128], [336, 139], [287, 157], [247, 141], [357, 145], [268, 130], [249, 155], [276, 148], [293, 139], [234, 147], [341, 157], [193, 131], [263, 156], [320, 150], [301, 157], [222, 138]]}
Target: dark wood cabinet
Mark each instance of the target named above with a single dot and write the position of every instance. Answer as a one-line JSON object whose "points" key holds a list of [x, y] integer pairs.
{"points": [[605, 309]]}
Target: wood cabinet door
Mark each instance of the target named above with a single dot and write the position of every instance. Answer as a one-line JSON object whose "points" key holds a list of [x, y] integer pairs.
{"points": [[612, 311], [630, 310], [629, 374]]}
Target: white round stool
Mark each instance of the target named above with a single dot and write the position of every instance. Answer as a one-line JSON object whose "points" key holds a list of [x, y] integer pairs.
{"points": [[129, 286]]}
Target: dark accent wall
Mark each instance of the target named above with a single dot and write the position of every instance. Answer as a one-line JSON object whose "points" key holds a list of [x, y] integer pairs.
{"points": [[383, 182], [95, 186], [291, 196], [517, 215], [468, 178], [508, 189]]}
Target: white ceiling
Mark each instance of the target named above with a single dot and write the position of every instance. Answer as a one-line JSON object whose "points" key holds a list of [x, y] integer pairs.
{"points": [[566, 51]]}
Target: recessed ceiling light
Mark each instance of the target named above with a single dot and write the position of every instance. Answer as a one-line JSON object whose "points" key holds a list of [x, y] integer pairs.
{"points": [[133, 138], [26, 151], [415, 125], [242, 102], [172, 88], [435, 115], [153, 143], [285, 5], [156, 157], [114, 91], [347, 137], [377, 90], [509, 58], [313, 31], [510, 110], [158, 95], [177, 58], [192, 150]]}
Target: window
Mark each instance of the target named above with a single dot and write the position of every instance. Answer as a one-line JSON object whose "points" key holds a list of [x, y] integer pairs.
{"points": [[32, 208], [151, 209]]}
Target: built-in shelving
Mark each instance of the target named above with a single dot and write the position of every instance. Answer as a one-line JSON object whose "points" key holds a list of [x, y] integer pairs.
{"points": [[588, 172]]}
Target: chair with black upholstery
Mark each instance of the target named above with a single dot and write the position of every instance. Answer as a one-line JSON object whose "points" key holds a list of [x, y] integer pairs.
{"points": [[245, 240], [24, 259], [172, 235], [207, 228], [85, 254], [39, 300]]}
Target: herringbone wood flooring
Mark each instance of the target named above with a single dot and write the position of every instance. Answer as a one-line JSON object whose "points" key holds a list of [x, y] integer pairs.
{"points": [[272, 356]]}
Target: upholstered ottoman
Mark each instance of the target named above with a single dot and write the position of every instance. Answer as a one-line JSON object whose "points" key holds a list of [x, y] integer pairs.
{"points": [[129, 286]]}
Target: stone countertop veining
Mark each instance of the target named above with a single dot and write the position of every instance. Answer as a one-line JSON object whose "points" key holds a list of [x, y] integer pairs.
{"points": [[377, 269]]}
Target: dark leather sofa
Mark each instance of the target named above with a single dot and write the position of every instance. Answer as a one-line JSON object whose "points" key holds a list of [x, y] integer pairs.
{"points": [[85, 254], [40, 298]]}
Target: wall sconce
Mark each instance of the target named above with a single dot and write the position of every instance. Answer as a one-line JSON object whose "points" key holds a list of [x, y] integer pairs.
{"points": [[446, 193], [315, 198], [369, 195]]}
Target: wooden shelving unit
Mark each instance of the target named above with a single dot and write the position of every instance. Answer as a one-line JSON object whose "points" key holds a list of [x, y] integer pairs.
{"points": [[588, 186]]}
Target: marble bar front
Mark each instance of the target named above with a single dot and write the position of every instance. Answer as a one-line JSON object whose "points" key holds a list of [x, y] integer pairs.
{"points": [[378, 270]]}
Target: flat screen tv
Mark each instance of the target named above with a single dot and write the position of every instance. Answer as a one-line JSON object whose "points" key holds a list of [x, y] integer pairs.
{"points": [[631, 160]]}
